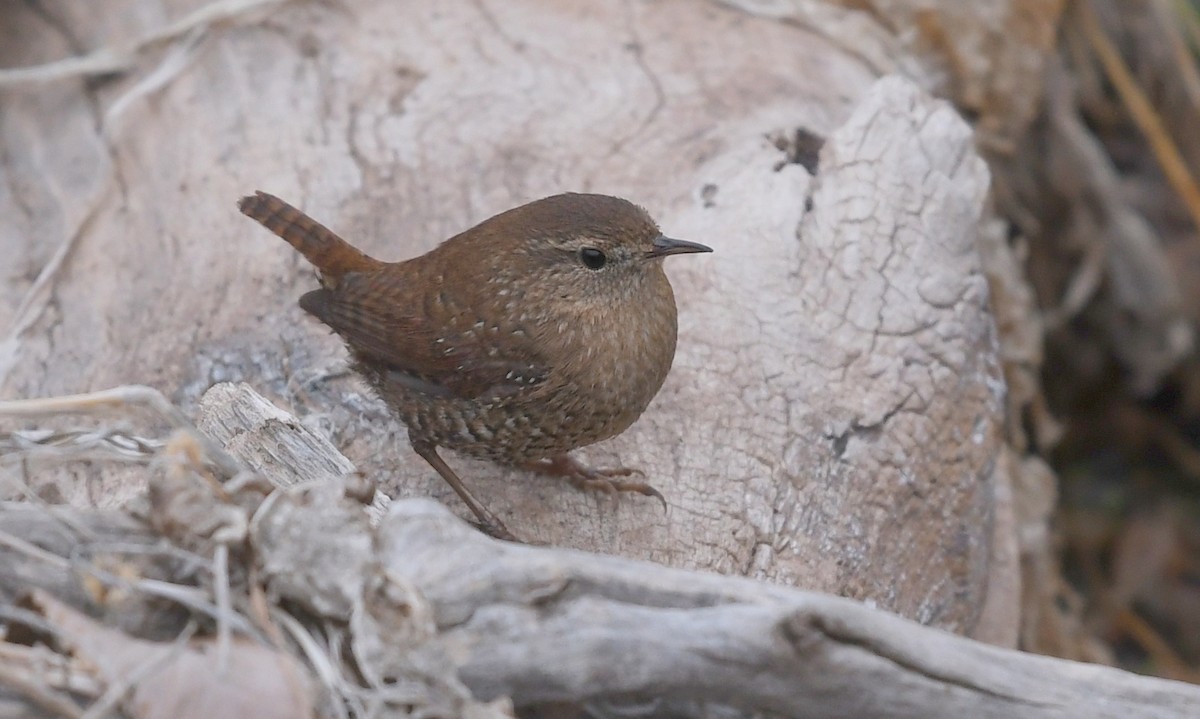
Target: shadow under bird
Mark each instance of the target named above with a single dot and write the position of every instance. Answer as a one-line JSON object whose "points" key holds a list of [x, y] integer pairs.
{"points": [[541, 330]]}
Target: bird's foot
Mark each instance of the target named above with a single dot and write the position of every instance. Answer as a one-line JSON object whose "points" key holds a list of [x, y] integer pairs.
{"points": [[591, 479]]}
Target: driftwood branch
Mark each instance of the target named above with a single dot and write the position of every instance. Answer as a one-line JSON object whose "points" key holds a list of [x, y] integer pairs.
{"points": [[545, 626]]}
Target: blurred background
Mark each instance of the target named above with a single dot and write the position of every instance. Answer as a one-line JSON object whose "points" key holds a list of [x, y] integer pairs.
{"points": [[1101, 195]]}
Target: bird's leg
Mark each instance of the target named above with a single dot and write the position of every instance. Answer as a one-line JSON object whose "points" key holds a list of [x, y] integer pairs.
{"points": [[588, 478], [488, 522]]}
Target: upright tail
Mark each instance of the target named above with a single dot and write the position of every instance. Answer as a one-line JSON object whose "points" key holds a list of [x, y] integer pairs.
{"points": [[329, 253]]}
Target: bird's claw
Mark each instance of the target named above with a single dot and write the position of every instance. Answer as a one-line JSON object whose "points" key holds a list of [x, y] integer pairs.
{"points": [[613, 487], [592, 479]]}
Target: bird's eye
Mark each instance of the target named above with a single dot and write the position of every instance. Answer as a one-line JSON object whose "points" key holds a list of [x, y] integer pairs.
{"points": [[592, 258]]}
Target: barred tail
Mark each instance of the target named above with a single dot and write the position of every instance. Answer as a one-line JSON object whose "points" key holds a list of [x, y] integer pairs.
{"points": [[329, 253]]}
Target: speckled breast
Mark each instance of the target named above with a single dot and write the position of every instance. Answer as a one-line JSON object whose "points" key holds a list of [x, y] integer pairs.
{"points": [[512, 430], [580, 403]]}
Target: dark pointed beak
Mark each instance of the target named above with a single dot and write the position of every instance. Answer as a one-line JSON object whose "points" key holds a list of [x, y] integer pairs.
{"points": [[664, 246]]}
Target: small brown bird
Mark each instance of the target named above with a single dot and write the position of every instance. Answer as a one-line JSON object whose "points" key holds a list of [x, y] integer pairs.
{"points": [[543, 329]]}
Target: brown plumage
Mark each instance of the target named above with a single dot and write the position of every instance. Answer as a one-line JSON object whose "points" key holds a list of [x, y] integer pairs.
{"points": [[545, 328]]}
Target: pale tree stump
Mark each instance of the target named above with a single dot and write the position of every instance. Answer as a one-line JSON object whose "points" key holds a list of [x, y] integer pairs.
{"points": [[833, 417]]}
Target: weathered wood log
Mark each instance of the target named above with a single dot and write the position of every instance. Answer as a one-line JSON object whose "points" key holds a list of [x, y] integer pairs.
{"points": [[832, 419], [425, 599], [544, 625], [551, 626]]}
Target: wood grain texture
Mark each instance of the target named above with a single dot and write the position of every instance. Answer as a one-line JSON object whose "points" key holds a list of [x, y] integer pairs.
{"points": [[831, 420]]}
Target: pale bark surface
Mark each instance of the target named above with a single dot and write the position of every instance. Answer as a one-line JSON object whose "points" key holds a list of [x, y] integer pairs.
{"points": [[833, 417]]}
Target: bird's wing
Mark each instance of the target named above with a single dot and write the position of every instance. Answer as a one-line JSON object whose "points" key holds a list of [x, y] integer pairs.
{"points": [[387, 324]]}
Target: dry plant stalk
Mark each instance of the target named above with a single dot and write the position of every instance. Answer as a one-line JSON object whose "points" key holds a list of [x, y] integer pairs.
{"points": [[1143, 112]]}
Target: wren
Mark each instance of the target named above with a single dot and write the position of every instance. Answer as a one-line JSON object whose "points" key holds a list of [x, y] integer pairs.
{"points": [[543, 329]]}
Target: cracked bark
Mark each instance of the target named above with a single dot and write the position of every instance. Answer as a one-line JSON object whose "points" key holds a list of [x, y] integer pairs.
{"points": [[398, 124]]}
